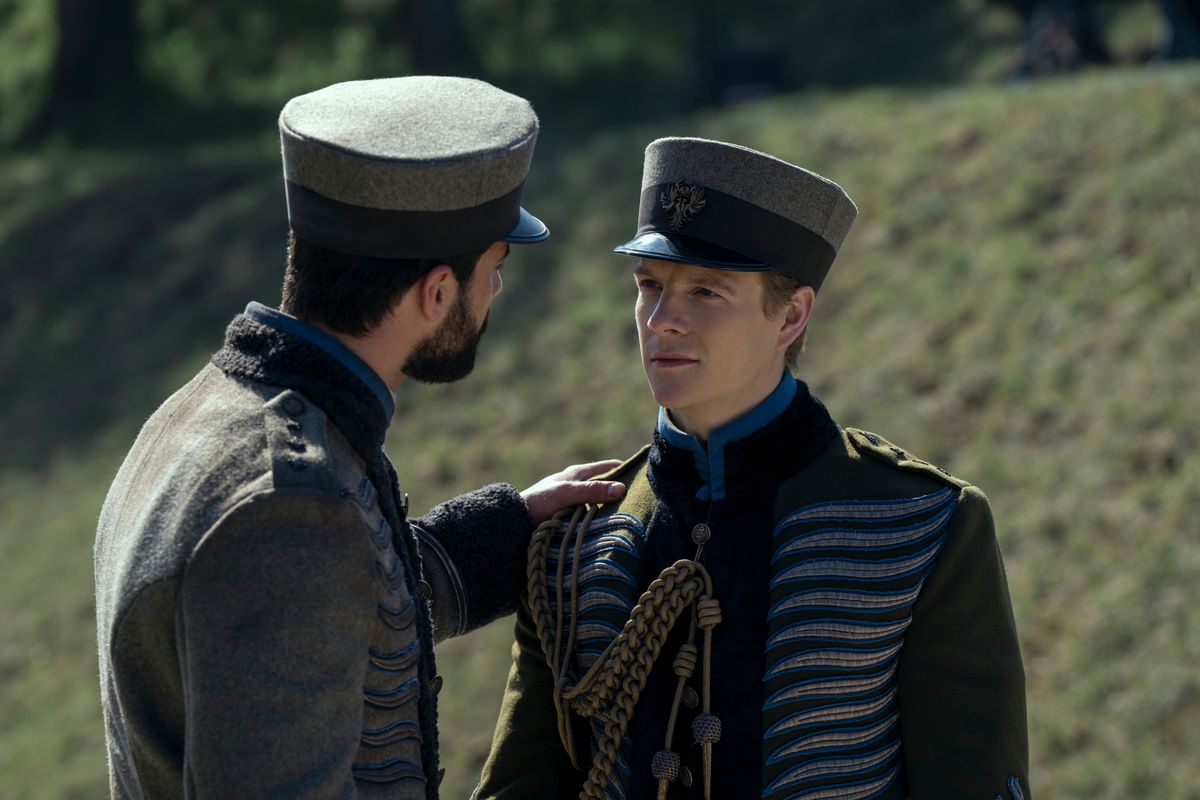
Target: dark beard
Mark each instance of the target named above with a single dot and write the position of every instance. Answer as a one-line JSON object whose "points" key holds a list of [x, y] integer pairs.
{"points": [[448, 354]]}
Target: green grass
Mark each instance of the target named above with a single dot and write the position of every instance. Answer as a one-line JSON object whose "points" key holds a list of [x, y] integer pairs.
{"points": [[1019, 301]]}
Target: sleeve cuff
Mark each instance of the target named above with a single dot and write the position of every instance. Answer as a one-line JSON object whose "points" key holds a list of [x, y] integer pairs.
{"points": [[473, 552]]}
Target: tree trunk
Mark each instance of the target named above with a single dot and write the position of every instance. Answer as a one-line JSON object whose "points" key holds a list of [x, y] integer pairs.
{"points": [[705, 48], [96, 71], [435, 41]]}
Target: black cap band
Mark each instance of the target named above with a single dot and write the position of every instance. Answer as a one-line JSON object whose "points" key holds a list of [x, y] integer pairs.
{"points": [[383, 233], [734, 224]]}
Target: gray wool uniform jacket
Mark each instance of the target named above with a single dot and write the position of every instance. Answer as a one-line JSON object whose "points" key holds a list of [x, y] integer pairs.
{"points": [[265, 611]]}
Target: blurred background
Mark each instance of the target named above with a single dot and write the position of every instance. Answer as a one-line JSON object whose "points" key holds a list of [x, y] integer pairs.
{"points": [[1019, 300]]}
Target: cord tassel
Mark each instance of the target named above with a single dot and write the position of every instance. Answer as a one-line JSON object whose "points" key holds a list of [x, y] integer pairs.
{"points": [[611, 688], [706, 728]]}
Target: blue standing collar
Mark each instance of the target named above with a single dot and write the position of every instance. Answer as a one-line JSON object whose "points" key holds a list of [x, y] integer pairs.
{"points": [[315, 336], [710, 456]]}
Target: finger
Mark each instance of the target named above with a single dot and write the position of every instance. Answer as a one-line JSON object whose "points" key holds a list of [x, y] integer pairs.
{"points": [[580, 472], [572, 493], [600, 491]]}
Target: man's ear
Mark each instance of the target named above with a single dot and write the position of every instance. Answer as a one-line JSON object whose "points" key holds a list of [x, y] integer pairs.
{"points": [[436, 293], [795, 317]]}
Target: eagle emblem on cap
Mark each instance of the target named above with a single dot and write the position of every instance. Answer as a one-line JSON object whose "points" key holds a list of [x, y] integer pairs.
{"points": [[682, 200]]}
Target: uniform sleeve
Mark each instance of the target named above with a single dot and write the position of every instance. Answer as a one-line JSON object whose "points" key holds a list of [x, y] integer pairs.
{"points": [[273, 623], [527, 758], [473, 553], [961, 682]]}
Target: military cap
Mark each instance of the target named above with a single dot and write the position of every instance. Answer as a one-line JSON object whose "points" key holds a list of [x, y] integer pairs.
{"points": [[414, 167], [729, 207]]}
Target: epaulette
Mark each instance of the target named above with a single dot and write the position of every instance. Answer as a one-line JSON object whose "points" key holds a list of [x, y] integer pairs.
{"points": [[881, 449], [627, 468], [295, 429], [628, 473]]}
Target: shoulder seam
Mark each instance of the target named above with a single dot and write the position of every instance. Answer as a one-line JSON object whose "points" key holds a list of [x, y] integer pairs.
{"points": [[632, 463], [262, 493], [126, 599], [882, 450]]}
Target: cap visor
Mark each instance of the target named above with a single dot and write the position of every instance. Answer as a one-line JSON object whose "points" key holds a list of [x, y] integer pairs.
{"points": [[529, 229], [683, 250]]}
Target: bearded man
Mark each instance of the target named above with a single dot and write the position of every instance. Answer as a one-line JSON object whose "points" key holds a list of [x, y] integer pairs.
{"points": [[266, 610]]}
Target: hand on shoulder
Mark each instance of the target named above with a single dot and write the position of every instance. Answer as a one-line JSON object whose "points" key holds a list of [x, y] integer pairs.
{"points": [[570, 487]]}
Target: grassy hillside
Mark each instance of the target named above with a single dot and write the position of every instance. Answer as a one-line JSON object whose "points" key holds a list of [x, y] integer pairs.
{"points": [[1020, 302]]}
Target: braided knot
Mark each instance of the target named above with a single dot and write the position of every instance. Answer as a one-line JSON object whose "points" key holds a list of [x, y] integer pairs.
{"points": [[708, 613], [665, 764], [685, 660], [706, 728]]}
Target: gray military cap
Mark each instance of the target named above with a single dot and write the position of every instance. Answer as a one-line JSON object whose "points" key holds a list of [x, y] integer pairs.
{"points": [[415, 167], [729, 207]]}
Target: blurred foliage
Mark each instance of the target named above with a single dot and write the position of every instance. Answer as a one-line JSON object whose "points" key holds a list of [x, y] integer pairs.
{"points": [[253, 53], [226, 66], [27, 40]]}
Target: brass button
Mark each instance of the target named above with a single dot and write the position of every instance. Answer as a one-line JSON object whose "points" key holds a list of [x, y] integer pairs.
{"points": [[424, 590], [436, 684], [690, 698], [685, 777], [701, 533]]}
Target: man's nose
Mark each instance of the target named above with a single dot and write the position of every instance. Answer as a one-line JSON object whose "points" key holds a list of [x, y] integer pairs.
{"points": [[667, 316]]}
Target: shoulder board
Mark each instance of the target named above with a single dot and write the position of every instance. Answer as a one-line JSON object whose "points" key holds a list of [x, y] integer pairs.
{"points": [[628, 468], [296, 445], [877, 447], [631, 472]]}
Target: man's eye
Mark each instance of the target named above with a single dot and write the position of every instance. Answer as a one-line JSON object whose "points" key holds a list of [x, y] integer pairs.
{"points": [[647, 283], [700, 290]]}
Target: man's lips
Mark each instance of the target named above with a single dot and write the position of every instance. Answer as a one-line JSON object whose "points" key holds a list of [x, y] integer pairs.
{"points": [[671, 360]]}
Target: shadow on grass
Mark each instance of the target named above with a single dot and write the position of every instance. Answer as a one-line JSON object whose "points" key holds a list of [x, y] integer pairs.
{"points": [[113, 295]]}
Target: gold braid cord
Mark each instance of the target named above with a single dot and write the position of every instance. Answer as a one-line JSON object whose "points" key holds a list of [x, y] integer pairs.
{"points": [[611, 688]]}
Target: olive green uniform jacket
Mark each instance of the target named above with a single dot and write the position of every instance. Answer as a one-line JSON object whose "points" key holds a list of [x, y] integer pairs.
{"points": [[265, 613], [867, 647]]}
